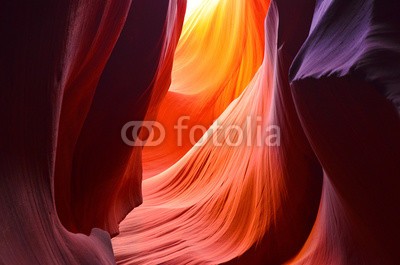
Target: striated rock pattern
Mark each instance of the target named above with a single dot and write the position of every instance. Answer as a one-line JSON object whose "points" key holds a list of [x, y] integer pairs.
{"points": [[326, 73]]}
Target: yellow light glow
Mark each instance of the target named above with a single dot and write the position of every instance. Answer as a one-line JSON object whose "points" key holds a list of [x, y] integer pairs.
{"points": [[194, 6]]}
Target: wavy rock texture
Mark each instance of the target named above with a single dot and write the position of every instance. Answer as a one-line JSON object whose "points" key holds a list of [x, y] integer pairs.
{"points": [[346, 98], [191, 210], [207, 208], [32, 82], [98, 178], [69, 64], [326, 72], [231, 35]]}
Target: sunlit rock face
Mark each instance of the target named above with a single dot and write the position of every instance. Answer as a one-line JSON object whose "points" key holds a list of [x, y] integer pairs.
{"points": [[324, 74]]}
